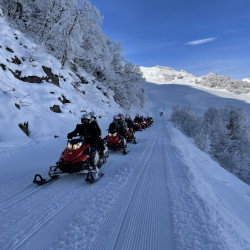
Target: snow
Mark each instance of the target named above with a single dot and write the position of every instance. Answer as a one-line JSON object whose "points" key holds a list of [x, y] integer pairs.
{"points": [[161, 75], [246, 79], [35, 99], [164, 194]]}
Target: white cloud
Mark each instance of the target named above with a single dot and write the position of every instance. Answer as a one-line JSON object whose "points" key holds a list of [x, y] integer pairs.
{"points": [[197, 42]]}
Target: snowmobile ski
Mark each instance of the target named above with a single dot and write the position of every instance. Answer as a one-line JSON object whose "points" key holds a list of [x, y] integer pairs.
{"points": [[90, 178], [125, 152], [39, 180]]}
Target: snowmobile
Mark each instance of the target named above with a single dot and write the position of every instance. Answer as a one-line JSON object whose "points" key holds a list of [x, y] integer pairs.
{"points": [[116, 142], [144, 125], [77, 157], [130, 136], [137, 126]]}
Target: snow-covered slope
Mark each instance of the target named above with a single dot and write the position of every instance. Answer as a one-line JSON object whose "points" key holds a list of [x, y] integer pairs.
{"points": [[246, 79], [166, 75], [163, 75], [37, 94]]}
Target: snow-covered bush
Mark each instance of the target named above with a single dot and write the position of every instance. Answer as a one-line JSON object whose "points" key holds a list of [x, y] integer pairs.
{"points": [[213, 80], [224, 133], [184, 119]]}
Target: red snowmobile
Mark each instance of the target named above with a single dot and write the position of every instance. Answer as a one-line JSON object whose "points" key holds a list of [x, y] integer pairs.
{"points": [[77, 157], [137, 126], [116, 142]]}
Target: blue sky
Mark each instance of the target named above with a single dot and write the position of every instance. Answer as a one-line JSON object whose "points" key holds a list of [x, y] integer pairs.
{"points": [[195, 35]]}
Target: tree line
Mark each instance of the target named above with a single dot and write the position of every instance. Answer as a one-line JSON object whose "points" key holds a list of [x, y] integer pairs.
{"points": [[223, 133]]}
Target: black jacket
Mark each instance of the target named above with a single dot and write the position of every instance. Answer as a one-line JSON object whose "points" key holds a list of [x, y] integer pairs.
{"points": [[120, 126], [88, 130], [129, 123], [96, 127], [137, 119]]}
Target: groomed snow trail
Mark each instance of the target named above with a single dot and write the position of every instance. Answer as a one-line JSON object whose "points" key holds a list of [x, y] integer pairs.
{"points": [[140, 218], [126, 209], [147, 199]]}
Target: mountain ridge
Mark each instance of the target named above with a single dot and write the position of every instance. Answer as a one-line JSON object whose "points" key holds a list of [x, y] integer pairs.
{"points": [[167, 75]]}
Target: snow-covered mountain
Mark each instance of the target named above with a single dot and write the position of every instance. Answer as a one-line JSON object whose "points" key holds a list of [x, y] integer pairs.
{"points": [[246, 79], [163, 75]]}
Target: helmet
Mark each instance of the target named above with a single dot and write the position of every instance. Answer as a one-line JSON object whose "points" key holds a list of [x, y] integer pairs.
{"points": [[93, 114], [116, 117], [86, 116], [120, 115]]}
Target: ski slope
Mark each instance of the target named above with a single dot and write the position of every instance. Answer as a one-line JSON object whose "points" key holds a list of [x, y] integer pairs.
{"points": [[164, 194]]}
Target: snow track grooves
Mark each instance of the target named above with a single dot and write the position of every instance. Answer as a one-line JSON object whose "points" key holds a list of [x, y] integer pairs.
{"points": [[60, 213], [141, 203], [22, 195], [105, 215], [47, 214], [48, 220]]}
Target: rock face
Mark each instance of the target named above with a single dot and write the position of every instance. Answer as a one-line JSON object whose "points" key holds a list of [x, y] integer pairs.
{"points": [[52, 78], [63, 100], [24, 127], [56, 109]]}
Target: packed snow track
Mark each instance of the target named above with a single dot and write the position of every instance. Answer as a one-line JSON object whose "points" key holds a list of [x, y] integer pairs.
{"points": [[158, 196], [127, 209]]}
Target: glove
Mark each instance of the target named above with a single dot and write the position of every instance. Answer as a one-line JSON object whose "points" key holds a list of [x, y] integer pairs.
{"points": [[69, 136]]}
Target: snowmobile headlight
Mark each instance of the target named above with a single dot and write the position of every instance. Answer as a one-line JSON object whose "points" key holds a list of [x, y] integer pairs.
{"points": [[77, 145], [69, 146], [112, 135]]}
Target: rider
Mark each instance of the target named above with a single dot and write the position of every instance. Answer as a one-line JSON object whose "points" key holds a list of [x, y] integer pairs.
{"points": [[121, 116], [137, 119], [130, 124], [141, 119], [99, 141], [121, 127], [90, 134]]}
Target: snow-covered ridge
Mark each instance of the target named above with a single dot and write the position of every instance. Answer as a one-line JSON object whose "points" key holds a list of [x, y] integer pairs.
{"points": [[40, 97], [213, 80], [246, 79], [166, 75], [161, 75]]}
